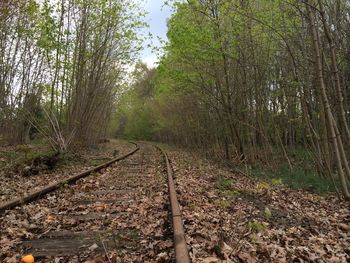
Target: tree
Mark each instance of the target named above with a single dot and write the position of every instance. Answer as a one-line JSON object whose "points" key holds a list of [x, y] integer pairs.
{"points": [[258, 80], [71, 56]]}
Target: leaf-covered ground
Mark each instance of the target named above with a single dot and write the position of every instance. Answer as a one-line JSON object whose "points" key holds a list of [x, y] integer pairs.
{"points": [[125, 204], [229, 217], [14, 185]]}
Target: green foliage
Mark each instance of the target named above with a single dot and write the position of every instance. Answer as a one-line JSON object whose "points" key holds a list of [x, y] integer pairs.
{"points": [[223, 184], [190, 75], [222, 203], [70, 158], [48, 28], [276, 182], [8, 158], [66, 59], [262, 186], [23, 148], [297, 179], [141, 125], [136, 115], [229, 193], [256, 226], [96, 162], [232, 82], [267, 213]]}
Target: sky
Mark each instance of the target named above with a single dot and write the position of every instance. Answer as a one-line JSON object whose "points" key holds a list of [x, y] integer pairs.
{"points": [[157, 19]]}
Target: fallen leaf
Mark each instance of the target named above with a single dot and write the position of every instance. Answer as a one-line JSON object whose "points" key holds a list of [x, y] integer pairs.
{"points": [[93, 247], [50, 219], [211, 260], [247, 258]]}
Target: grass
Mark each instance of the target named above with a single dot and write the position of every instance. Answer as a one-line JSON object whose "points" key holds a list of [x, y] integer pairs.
{"points": [[13, 158], [296, 179], [256, 226], [223, 183], [303, 175], [223, 203], [229, 193], [225, 191], [7, 157], [96, 162]]}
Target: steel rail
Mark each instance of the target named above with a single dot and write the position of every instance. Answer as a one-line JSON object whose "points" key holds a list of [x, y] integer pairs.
{"points": [[54, 186], [181, 250]]}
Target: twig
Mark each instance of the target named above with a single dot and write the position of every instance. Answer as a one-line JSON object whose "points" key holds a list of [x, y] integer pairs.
{"points": [[104, 247]]}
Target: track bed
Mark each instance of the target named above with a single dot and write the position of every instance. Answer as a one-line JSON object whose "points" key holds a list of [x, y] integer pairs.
{"points": [[118, 215]]}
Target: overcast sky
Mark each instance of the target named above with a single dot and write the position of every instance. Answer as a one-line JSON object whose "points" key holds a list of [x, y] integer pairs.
{"points": [[156, 17]]}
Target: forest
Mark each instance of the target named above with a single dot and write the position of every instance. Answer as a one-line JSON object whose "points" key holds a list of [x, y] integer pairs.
{"points": [[260, 84], [62, 66], [233, 146]]}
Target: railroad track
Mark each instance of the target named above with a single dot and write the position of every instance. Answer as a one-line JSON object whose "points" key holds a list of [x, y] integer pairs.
{"points": [[125, 213]]}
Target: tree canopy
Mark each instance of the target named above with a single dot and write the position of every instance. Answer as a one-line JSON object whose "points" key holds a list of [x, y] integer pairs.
{"points": [[255, 81]]}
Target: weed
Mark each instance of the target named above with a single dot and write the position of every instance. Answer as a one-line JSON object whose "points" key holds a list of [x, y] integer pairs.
{"points": [[253, 238], [217, 249], [23, 148], [276, 182], [231, 193], [267, 213], [256, 226], [115, 153], [133, 234], [62, 185], [262, 186], [223, 203], [95, 174], [193, 206], [223, 183], [296, 179], [97, 162], [228, 194], [70, 158]]}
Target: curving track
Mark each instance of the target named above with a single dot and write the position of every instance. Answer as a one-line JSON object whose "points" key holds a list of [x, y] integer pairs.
{"points": [[123, 214]]}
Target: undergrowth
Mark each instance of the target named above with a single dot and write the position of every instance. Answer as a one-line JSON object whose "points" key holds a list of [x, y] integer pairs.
{"points": [[298, 178], [302, 176]]}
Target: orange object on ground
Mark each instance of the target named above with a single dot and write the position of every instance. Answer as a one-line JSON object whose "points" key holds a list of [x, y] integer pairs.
{"points": [[28, 259], [50, 219]]}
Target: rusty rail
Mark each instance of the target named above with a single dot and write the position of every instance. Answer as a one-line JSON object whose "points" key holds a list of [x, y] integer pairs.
{"points": [[181, 250], [54, 186]]}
